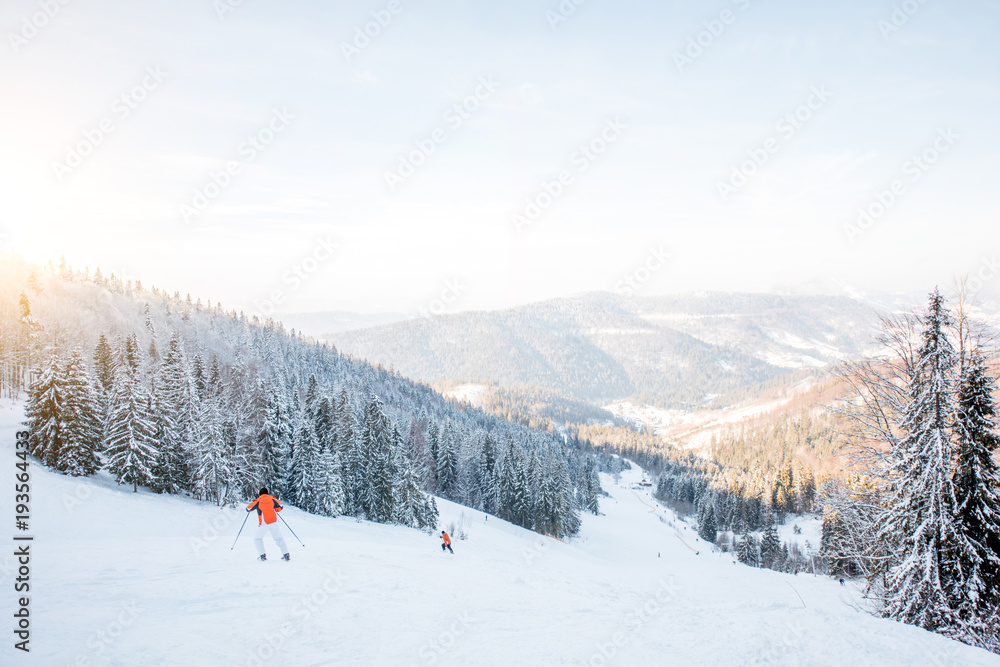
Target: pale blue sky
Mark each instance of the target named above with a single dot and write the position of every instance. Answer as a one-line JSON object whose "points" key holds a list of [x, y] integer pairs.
{"points": [[656, 185]]}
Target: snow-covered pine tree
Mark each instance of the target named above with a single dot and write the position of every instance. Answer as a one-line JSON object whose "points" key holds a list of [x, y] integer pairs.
{"points": [[306, 482], [104, 365], [199, 378], [407, 497], [213, 469], [433, 445], [44, 411], [312, 399], [807, 489], [538, 494], [706, 526], [131, 446], [488, 475], [214, 382], [747, 552], [416, 443], [520, 491], [128, 353], [350, 452], [770, 545], [274, 439], [923, 581], [783, 562], [176, 416], [467, 489], [447, 462], [377, 470], [977, 497], [565, 518], [83, 429], [325, 423], [590, 485], [702, 509], [243, 405], [510, 473], [331, 479]]}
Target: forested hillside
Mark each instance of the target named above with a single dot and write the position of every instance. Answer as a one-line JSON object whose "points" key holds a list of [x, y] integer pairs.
{"points": [[185, 397], [677, 352]]}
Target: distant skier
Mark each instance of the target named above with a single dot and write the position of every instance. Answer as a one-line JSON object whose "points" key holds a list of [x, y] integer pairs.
{"points": [[267, 522], [841, 581], [446, 542]]}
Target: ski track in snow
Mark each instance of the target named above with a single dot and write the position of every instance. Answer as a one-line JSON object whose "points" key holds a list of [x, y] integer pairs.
{"points": [[129, 579]]}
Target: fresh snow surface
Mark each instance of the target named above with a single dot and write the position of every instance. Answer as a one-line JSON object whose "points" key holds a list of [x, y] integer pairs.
{"points": [[129, 579], [693, 429]]}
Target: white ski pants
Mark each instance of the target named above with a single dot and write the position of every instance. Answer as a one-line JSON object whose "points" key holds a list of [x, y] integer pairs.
{"points": [[275, 532]]}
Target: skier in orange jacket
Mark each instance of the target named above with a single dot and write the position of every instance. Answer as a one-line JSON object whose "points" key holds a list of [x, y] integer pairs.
{"points": [[446, 542], [267, 522]]}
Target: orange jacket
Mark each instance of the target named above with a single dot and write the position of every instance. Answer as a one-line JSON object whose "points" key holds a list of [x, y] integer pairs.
{"points": [[444, 536], [266, 507]]}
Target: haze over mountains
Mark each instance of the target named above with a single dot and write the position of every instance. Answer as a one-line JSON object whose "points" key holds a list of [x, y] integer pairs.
{"points": [[680, 351]]}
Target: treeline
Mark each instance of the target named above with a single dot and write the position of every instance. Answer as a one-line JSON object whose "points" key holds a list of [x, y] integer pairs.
{"points": [[537, 407], [760, 466], [921, 519], [804, 440], [641, 446], [219, 404]]}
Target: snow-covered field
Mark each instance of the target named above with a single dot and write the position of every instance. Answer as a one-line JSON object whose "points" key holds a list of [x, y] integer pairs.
{"points": [[470, 393], [691, 429], [138, 579]]}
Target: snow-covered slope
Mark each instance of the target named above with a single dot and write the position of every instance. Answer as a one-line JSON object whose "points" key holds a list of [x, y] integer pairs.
{"points": [[138, 579]]}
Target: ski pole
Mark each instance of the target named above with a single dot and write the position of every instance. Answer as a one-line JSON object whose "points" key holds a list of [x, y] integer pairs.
{"points": [[289, 528], [241, 530]]}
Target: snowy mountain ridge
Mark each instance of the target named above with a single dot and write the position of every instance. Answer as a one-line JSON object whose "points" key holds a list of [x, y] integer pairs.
{"points": [[673, 351]]}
